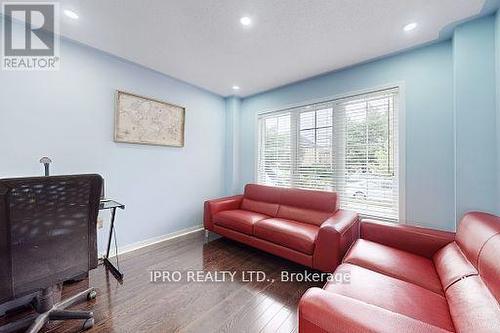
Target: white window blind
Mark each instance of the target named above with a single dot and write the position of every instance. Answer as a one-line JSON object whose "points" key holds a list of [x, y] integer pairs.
{"points": [[275, 150], [349, 146]]}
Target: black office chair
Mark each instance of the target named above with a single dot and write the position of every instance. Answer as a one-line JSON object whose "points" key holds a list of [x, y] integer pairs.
{"points": [[47, 236]]}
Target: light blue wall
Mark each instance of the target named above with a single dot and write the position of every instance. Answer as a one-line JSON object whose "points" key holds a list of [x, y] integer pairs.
{"points": [[497, 59], [70, 118], [233, 105], [475, 116], [68, 115], [452, 96], [428, 80]]}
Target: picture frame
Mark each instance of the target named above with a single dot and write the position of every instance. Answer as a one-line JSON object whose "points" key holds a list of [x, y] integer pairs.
{"points": [[148, 121]]}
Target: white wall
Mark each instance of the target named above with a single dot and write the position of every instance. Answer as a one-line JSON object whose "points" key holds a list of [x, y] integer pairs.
{"points": [[68, 116]]}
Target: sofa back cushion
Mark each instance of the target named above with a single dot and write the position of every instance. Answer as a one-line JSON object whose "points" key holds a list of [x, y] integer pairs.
{"points": [[261, 199], [478, 237], [307, 206]]}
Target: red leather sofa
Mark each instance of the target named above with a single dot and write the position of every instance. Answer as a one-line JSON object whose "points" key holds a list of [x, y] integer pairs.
{"points": [[410, 279], [304, 226]]}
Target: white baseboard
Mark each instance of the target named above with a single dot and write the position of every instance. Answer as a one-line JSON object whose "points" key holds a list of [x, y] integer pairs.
{"points": [[156, 240]]}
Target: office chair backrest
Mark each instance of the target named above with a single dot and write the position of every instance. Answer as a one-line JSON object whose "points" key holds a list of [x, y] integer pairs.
{"points": [[47, 231]]}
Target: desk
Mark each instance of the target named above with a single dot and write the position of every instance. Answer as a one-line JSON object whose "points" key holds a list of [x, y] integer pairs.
{"points": [[113, 205]]}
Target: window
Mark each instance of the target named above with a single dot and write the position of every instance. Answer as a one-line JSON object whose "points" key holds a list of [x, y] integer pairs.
{"points": [[348, 145]]}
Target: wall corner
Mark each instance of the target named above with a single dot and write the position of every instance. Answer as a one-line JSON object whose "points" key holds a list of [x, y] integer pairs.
{"points": [[231, 161]]}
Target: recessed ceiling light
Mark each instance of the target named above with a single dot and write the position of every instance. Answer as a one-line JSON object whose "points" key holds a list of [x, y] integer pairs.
{"points": [[236, 88], [245, 20], [410, 26], [71, 14]]}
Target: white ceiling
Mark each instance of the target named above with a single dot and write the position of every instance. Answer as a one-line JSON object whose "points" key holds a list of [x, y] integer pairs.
{"points": [[203, 43]]}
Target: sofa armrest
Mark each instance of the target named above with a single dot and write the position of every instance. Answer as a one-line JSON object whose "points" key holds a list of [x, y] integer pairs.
{"points": [[421, 241], [335, 237], [323, 311], [215, 206]]}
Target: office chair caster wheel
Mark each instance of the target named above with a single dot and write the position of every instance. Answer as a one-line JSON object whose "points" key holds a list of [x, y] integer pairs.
{"points": [[92, 295], [89, 323]]}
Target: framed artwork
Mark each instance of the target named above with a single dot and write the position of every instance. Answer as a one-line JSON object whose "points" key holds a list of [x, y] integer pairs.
{"points": [[147, 121]]}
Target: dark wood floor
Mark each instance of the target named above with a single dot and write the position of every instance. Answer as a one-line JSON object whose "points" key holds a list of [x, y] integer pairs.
{"points": [[139, 305]]}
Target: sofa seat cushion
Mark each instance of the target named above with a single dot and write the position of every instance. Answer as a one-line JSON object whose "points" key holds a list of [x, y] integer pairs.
{"points": [[399, 264], [238, 220], [294, 235], [323, 312], [392, 294]]}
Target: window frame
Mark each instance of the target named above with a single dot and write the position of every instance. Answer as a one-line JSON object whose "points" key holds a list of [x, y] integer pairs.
{"points": [[400, 100]]}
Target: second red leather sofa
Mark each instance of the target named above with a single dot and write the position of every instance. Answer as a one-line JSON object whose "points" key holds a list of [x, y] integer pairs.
{"points": [[413, 280]]}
